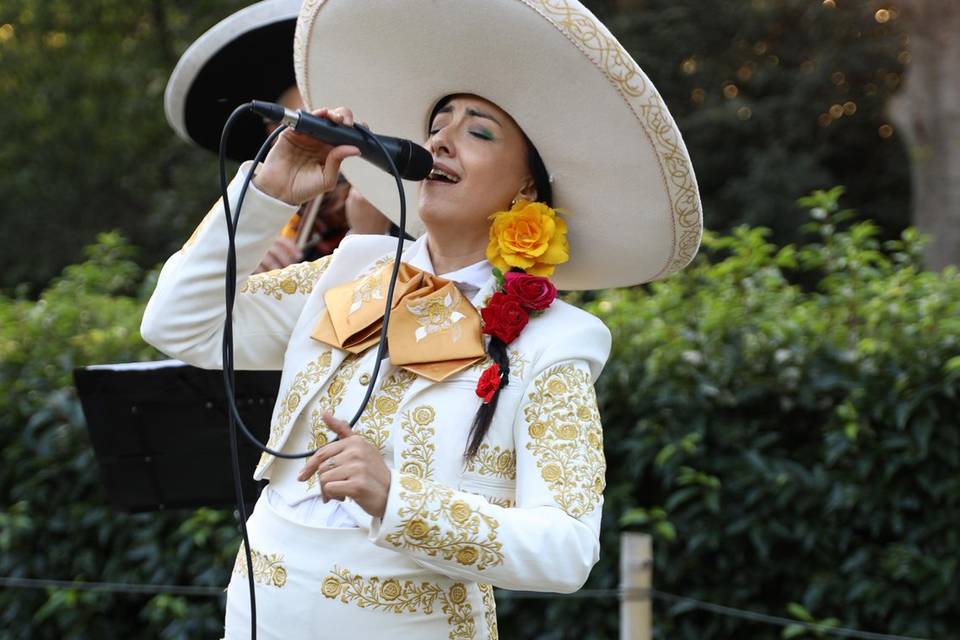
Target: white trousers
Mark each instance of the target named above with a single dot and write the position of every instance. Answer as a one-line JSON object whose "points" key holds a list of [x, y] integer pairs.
{"points": [[327, 582]]}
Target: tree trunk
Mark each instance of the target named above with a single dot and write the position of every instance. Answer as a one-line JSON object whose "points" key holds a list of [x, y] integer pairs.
{"points": [[927, 114]]}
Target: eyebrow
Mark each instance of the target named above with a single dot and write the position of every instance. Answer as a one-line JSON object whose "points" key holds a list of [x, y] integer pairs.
{"points": [[470, 112]]}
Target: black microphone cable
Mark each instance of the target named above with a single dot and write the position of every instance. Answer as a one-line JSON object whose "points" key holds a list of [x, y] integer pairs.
{"points": [[233, 413]]}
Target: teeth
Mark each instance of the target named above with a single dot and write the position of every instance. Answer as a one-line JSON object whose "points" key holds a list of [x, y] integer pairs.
{"points": [[436, 174]]}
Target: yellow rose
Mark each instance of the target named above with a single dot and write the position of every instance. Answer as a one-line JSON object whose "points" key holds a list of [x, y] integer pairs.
{"points": [[293, 401], [460, 511], [458, 593], [330, 587], [568, 432], [424, 415], [416, 529], [551, 473], [506, 462], [279, 576], [385, 405], [537, 429], [289, 286], [556, 387], [390, 589], [529, 236], [467, 556]]}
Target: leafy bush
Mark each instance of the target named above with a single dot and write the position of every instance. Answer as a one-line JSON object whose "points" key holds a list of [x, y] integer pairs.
{"points": [[54, 521], [782, 420]]}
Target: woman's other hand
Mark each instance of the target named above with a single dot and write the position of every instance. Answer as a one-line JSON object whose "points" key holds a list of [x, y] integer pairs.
{"points": [[299, 167], [351, 467]]}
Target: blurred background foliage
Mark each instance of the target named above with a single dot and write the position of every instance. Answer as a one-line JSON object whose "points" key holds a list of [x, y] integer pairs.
{"points": [[782, 419], [774, 98], [780, 416]]}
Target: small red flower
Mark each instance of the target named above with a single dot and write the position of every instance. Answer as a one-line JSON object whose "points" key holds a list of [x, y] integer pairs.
{"points": [[536, 293], [489, 383], [504, 316]]}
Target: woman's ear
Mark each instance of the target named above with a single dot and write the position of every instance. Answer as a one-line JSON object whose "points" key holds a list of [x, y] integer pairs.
{"points": [[528, 191]]}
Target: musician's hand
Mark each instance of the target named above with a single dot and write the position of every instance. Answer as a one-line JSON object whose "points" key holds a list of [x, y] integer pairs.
{"points": [[299, 167], [282, 253], [357, 470]]}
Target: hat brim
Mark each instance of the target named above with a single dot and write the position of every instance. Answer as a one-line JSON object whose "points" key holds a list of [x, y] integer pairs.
{"points": [[246, 56], [617, 162]]}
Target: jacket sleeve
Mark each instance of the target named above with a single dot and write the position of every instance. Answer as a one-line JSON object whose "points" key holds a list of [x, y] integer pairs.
{"points": [[184, 317], [550, 540]]}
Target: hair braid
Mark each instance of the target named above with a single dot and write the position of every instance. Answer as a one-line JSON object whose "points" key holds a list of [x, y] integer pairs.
{"points": [[481, 422]]}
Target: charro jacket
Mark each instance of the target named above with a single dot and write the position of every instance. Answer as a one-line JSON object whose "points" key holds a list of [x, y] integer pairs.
{"points": [[524, 514]]}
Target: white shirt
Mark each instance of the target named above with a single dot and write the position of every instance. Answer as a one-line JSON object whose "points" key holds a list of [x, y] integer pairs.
{"points": [[311, 510]]}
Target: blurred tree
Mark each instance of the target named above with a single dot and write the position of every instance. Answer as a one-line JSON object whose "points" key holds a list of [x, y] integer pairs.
{"points": [[773, 98], [776, 98], [85, 144], [928, 113]]}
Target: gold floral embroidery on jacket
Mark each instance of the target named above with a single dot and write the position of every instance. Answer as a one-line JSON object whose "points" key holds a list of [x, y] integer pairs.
{"points": [[494, 461], [518, 364], [375, 422], [489, 610], [407, 596], [329, 401], [434, 521], [267, 569], [297, 278], [418, 433], [566, 437], [294, 395]]}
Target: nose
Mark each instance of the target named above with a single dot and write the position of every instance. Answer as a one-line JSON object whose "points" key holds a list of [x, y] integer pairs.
{"points": [[441, 143]]}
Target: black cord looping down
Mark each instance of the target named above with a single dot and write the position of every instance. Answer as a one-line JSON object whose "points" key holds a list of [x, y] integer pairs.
{"points": [[233, 413]]}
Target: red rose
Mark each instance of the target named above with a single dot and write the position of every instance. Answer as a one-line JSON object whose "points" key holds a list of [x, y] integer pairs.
{"points": [[536, 293], [504, 317], [489, 383]]}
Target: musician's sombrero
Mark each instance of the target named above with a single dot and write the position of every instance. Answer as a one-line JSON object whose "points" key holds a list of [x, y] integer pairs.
{"points": [[246, 56], [616, 158]]}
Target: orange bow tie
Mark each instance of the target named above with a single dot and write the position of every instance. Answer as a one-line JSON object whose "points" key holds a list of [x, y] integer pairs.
{"points": [[434, 331]]}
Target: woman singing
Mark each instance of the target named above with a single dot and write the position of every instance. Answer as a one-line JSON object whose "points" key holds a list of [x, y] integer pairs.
{"points": [[478, 461]]}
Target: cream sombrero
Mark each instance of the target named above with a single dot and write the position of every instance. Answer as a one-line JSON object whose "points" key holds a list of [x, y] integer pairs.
{"points": [[247, 55], [617, 162]]}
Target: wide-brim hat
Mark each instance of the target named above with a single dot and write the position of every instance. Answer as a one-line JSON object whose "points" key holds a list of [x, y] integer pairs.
{"points": [[246, 56], [616, 160]]}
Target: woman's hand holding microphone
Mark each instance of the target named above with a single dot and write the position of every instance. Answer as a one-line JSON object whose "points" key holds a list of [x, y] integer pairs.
{"points": [[300, 168]]}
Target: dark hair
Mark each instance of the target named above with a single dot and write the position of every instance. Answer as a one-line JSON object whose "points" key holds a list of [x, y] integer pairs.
{"points": [[497, 349]]}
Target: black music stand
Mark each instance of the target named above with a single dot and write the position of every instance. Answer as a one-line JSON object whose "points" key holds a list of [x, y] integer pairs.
{"points": [[159, 430]]}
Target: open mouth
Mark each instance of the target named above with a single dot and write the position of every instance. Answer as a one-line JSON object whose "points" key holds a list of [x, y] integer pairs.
{"points": [[439, 175]]}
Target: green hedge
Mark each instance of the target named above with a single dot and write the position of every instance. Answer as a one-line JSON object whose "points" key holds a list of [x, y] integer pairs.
{"points": [[783, 420]]}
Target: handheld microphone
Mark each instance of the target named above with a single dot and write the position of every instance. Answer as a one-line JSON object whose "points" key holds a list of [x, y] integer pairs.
{"points": [[413, 161]]}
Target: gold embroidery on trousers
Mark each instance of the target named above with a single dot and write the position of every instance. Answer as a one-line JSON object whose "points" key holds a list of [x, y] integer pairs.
{"points": [[418, 432], [435, 522], [296, 278], [267, 569], [407, 596], [489, 610], [329, 401], [566, 437], [375, 422]]}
